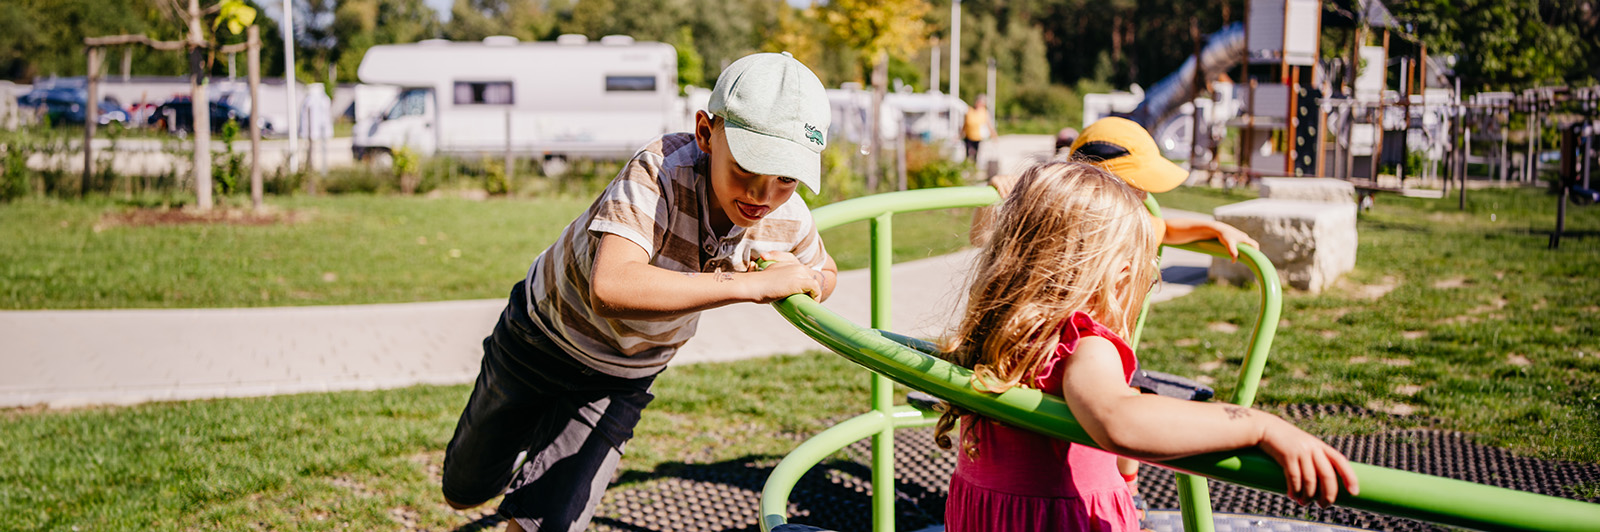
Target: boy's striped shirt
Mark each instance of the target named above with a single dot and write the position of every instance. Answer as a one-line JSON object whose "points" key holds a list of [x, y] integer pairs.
{"points": [[659, 201]]}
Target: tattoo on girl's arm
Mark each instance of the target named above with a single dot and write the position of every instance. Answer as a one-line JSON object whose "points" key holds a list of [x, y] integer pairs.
{"points": [[1236, 412], [691, 274], [723, 277]]}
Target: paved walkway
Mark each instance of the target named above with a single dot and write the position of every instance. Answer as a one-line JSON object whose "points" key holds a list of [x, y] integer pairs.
{"points": [[81, 357]]}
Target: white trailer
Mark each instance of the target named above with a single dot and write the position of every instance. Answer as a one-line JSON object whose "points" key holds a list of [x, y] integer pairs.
{"points": [[546, 100]]}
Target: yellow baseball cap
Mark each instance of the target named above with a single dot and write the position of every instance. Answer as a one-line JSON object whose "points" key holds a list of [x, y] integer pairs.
{"points": [[1125, 149]]}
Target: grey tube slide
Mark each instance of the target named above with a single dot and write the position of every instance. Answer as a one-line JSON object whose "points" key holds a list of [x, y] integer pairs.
{"points": [[1222, 51]]}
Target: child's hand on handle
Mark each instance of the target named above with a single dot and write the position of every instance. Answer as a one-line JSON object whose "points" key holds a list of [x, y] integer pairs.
{"points": [[781, 275], [1231, 237], [1312, 469]]}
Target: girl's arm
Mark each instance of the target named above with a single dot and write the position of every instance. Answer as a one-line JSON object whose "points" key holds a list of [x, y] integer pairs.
{"points": [[1152, 427]]}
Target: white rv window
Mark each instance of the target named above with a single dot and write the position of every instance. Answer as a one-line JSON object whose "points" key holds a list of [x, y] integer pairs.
{"points": [[630, 83], [412, 102], [483, 93]]}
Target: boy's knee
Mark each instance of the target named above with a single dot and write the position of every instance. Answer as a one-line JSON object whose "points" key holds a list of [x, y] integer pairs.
{"points": [[458, 505]]}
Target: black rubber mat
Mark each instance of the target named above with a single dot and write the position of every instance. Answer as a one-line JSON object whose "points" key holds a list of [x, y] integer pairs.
{"points": [[835, 495]]}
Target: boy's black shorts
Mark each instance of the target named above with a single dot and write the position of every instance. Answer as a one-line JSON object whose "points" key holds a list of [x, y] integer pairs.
{"points": [[531, 395]]}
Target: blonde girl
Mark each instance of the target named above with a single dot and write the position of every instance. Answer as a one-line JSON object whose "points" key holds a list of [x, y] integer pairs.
{"points": [[1056, 289]]}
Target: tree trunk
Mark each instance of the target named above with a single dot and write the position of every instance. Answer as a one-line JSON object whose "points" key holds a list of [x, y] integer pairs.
{"points": [[254, 72], [200, 109], [91, 118]]}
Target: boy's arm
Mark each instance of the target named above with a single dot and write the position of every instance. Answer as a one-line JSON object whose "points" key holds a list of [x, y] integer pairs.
{"points": [[1184, 231], [830, 278], [624, 285]]}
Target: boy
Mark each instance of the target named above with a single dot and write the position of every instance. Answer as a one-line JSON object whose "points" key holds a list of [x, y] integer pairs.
{"points": [[570, 363]]}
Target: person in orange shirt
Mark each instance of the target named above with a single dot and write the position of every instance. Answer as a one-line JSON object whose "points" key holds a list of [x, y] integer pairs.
{"points": [[977, 127]]}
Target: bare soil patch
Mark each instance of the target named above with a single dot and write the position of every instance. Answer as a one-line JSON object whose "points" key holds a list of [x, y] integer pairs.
{"points": [[187, 216]]}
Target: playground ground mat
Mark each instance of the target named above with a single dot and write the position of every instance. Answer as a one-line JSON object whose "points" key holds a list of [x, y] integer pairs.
{"points": [[836, 494]]}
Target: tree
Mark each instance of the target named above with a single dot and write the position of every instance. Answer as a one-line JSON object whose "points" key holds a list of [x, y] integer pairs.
{"points": [[362, 24], [872, 28], [472, 20], [1507, 44]]}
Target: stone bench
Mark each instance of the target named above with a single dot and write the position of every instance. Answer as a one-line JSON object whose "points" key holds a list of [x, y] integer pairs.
{"points": [[1324, 189], [1311, 243]]}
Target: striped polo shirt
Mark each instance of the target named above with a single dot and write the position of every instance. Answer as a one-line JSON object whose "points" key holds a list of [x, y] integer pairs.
{"points": [[659, 201]]}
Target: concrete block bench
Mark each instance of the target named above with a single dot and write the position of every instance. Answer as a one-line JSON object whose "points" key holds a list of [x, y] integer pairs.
{"points": [[1311, 243], [1323, 189]]}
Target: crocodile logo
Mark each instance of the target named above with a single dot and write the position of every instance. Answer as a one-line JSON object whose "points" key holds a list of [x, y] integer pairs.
{"points": [[813, 135]]}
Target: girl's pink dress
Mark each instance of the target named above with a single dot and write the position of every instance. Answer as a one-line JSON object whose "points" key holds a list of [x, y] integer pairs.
{"points": [[1024, 481]]}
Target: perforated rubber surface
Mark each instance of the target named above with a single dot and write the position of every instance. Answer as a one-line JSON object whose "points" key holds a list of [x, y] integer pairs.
{"points": [[835, 495]]}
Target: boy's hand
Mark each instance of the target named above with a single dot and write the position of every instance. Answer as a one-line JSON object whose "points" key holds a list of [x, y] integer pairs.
{"points": [[784, 276], [1311, 468], [1184, 230]]}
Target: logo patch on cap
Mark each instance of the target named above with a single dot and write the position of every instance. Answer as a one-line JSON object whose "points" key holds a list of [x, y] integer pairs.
{"points": [[813, 135]]}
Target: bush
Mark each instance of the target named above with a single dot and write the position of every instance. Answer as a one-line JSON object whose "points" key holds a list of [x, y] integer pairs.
{"points": [[1048, 101], [839, 181], [355, 180], [228, 169], [14, 176]]}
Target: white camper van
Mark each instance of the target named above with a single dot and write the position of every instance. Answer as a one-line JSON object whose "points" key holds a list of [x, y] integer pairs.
{"points": [[555, 100]]}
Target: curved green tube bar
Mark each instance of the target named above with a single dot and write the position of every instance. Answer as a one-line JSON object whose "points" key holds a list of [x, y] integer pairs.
{"points": [[1384, 490]]}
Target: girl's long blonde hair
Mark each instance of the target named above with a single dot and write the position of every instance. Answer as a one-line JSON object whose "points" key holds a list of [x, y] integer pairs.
{"points": [[1070, 237]]}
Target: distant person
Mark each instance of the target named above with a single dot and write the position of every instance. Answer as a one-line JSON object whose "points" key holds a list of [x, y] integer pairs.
{"points": [[1064, 140], [976, 128], [569, 366], [316, 125], [1056, 292]]}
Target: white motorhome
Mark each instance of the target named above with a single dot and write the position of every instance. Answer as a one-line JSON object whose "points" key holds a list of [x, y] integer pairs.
{"points": [[546, 100]]}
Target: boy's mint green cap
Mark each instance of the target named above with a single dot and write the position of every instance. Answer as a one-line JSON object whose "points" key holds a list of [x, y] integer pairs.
{"points": [[775, 115]]}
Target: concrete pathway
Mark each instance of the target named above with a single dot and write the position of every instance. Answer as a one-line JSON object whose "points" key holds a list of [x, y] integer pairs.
{"points": [[79, 357]]}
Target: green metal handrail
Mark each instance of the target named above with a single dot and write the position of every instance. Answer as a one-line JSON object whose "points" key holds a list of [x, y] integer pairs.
{"points": [[1195, 502], [1383, 490], [1386, 490]]}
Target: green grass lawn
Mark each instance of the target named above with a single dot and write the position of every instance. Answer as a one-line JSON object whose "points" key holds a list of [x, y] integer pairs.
{"points": [[1464, 321], [330, 250]]}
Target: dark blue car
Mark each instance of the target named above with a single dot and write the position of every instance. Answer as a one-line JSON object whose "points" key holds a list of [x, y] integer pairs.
{"points": [[68, 105], [177, 115]]}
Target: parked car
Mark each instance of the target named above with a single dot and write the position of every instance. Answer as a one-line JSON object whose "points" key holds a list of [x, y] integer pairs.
{"points": [[69, 105], [177, 115]]}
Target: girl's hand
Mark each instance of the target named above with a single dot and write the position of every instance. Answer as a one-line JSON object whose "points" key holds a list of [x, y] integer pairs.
{"points": [[1231, 237], [784, 277], [1311, 468]]}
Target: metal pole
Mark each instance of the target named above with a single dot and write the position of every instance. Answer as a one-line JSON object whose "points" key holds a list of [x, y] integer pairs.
{"points": [[882, 388], [1199, 87], [955, 66], [900, 154], [288, 81], [988, 92], [510, 168]]}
